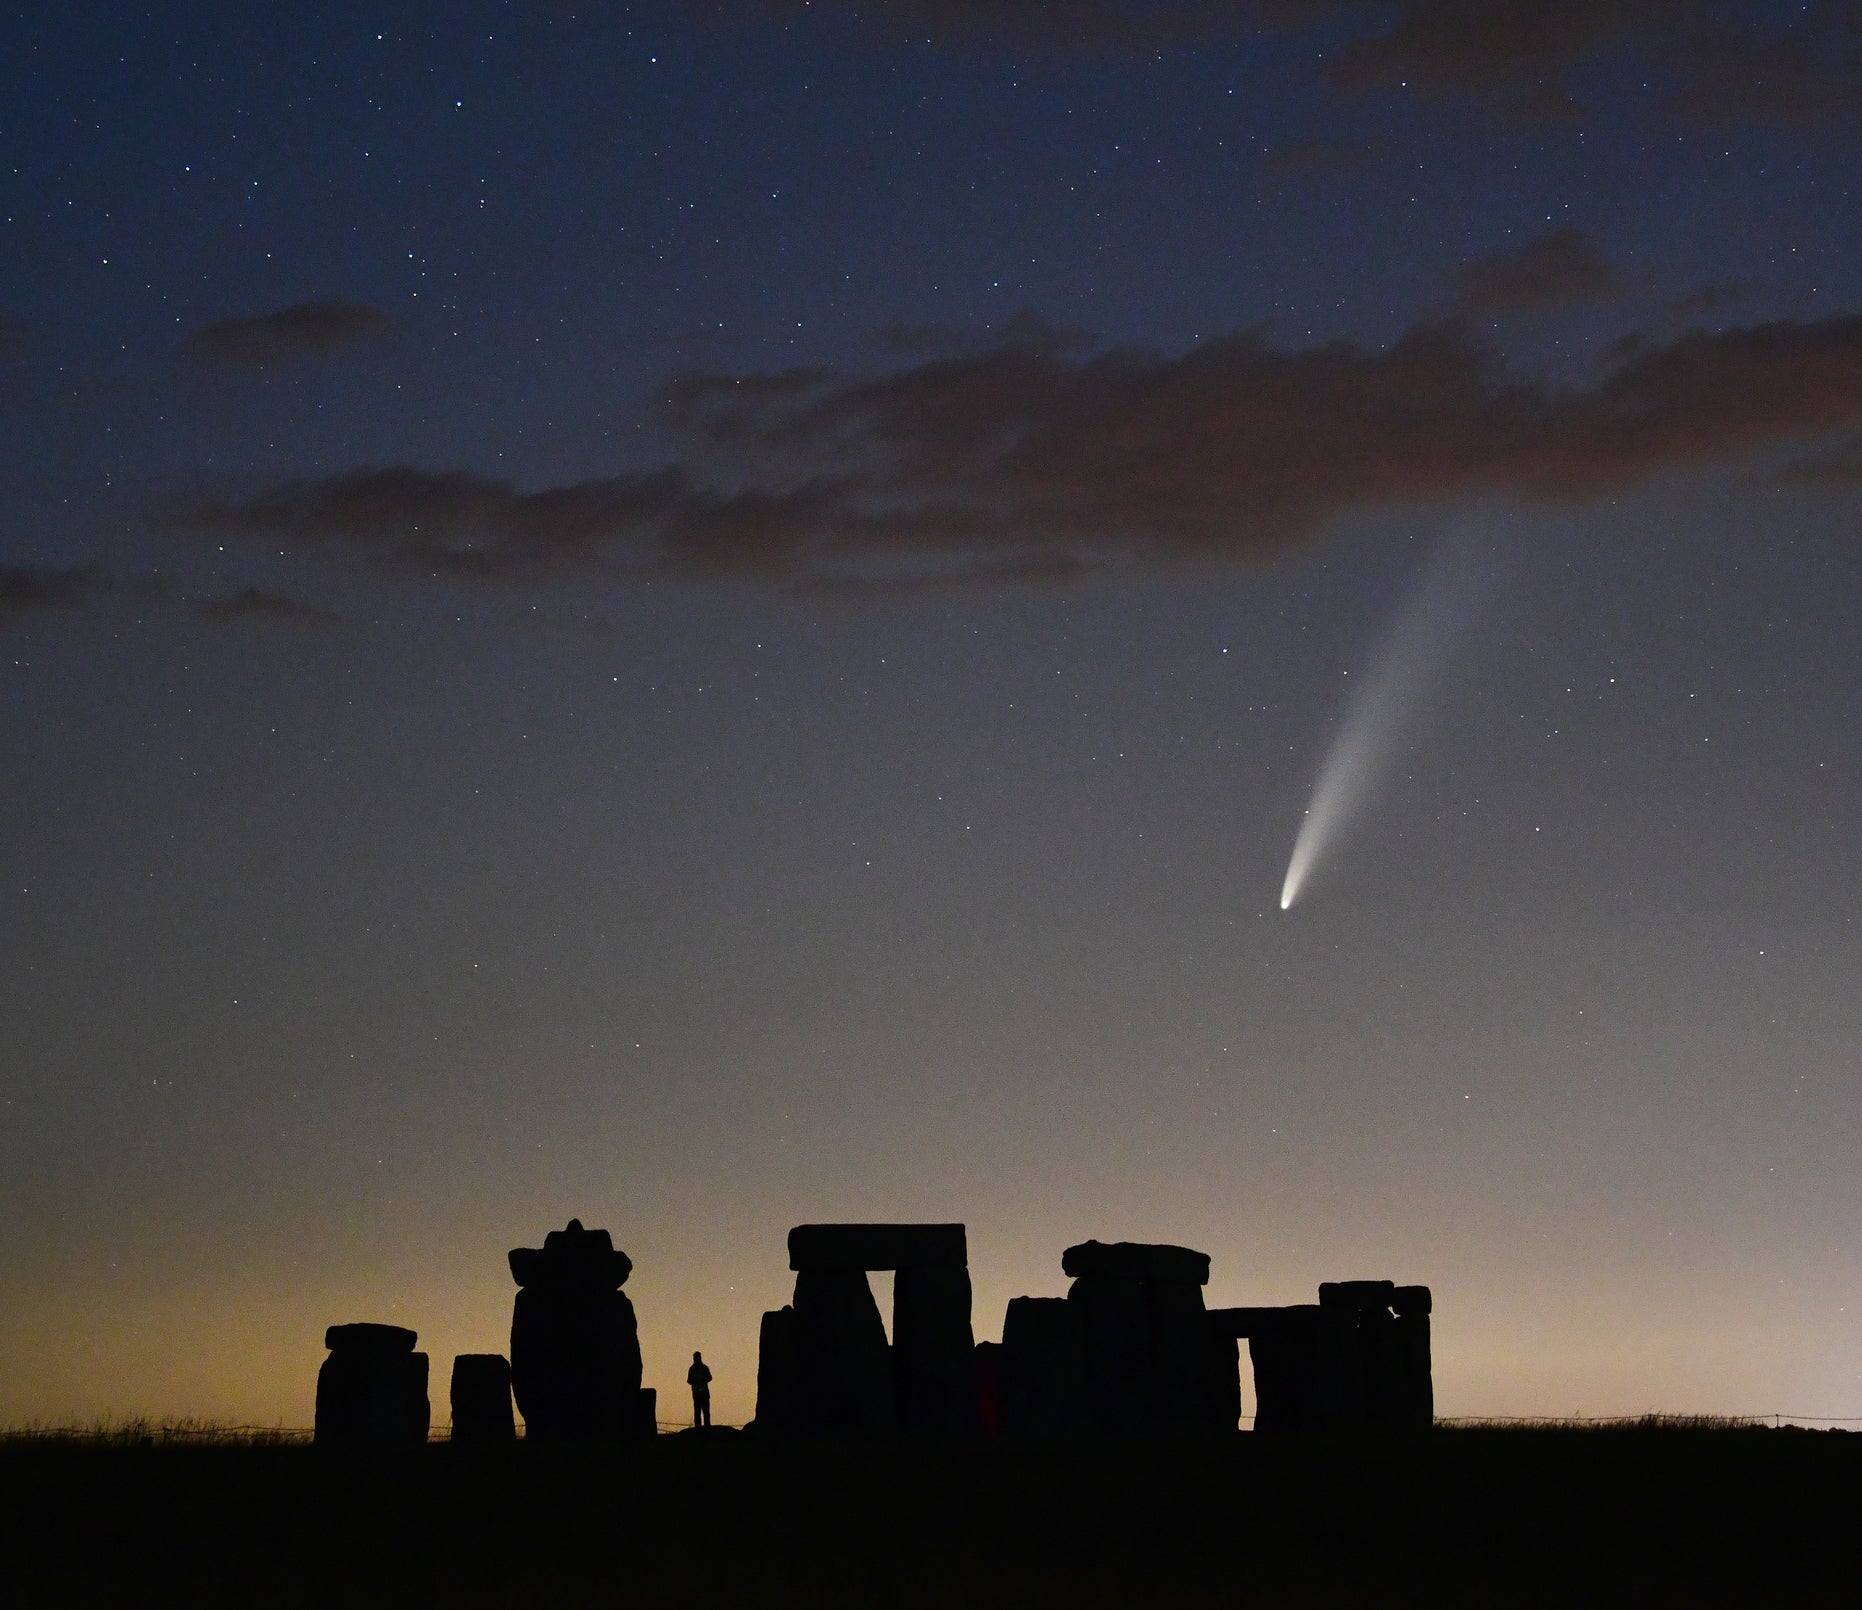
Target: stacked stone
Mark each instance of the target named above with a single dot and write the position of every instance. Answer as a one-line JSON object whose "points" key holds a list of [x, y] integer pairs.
{"points": [[1383, 1332], [1291, 1354], [481, 1397], [1152, 1366], [1356, 1361], [824, 1367], [575, 1345], [372, 1389]]}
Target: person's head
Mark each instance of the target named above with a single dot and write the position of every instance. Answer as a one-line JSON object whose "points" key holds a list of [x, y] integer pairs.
{"points": [[697, 1357]]}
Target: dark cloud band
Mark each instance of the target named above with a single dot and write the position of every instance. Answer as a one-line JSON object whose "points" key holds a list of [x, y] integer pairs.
{"points": [[307, 330], [1024, 462], [25, 588], [1716, 60]]}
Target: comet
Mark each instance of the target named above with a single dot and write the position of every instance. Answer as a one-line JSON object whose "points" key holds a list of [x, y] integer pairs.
{"points": [[1383, 705]]}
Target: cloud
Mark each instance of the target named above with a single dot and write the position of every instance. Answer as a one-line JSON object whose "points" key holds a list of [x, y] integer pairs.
{"points": [[1840, 465], [255, 604], [1519, 49], [306, 330], [1719, 59], [25, 588], [1017, 464], [1808, 76], [1559, 269]]}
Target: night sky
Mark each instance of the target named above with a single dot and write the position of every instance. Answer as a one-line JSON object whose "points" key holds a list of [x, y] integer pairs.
{"points": [[710, 616]]}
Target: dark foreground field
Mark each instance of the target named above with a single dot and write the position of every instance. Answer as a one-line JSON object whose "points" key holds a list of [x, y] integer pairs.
{"points": [[1458, 1518]]}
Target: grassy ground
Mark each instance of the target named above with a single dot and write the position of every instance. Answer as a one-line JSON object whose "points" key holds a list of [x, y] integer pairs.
{"points": [[1645, 1516]]}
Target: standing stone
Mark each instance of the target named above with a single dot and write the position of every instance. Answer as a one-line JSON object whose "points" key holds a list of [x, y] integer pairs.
{"points": [[934, 1351], [1115, 1334], [778, 1374], [846, 1370], [372, 1389], [1219, 1411], [575, 1346], [1177, 1400], [1145, 1337], [989, 1388], [481, 1398], [826, 1369], [1043, 1391], [1356, 1362], [1290, 1394], [1412, 1305]]}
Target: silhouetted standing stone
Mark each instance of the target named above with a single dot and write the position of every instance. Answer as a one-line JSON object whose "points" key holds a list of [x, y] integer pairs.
{"points": [[1412, 1305], [1357, 1361], [575, 1347], [1115, 1335], [481, 1397], [824, 1366], [1286, 1347], [372, 1389], [933, 1351], [1145, 1337], [1043, 1369], [1221, 1389], [846, 1371], [778, 1374], [989, 1388]]}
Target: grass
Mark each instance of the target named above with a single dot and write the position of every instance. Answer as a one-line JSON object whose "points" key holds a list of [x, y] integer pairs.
{"points": [[1649, 1512], [145, 1431]]}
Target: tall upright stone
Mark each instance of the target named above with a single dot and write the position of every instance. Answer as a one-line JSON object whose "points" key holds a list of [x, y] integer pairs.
{"points": [[1291, 1360], [825, 1367], [481, 1400], [372, 1389], [846, 1367], [575, 1346], [933, 1351], [1042, 1392], [779, 1407], [1412, 1305]]}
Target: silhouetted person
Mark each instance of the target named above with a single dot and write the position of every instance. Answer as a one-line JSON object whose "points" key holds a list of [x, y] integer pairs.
{"points": [[698, 1377]]}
